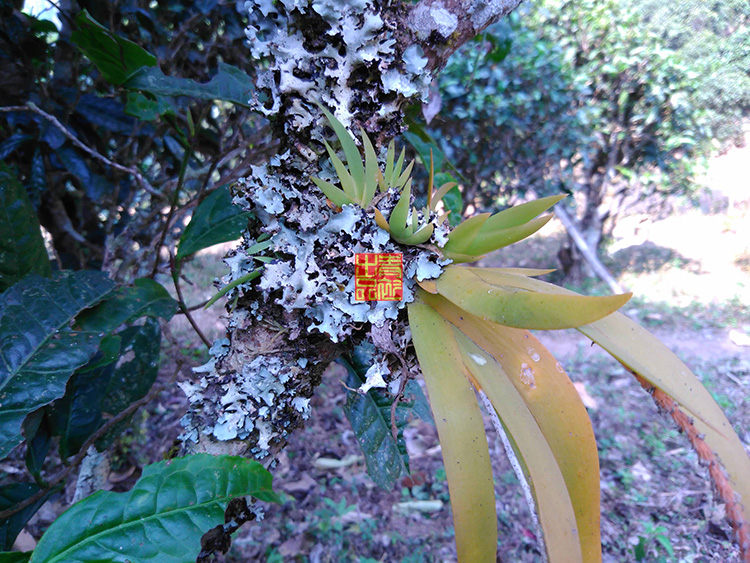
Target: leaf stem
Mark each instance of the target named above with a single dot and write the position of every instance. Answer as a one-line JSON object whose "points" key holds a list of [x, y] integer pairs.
{"points": [[224, 290]]}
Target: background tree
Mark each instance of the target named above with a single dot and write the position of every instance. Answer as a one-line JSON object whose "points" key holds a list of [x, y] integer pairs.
{"points": [[587, 100]]}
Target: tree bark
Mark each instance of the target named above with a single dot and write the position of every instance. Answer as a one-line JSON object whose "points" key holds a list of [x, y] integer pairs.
{"points": [[363, 60], [587, 250]]}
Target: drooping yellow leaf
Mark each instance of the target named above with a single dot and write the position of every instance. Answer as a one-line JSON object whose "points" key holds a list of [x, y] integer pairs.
{"points": [[461, 431], [477, 292], [514, 357], [645, 355]]}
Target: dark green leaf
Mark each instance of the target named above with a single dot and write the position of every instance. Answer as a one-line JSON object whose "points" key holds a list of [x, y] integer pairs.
{"points": [[145, 298], [38, 353], [143, 108], [215, 220], [12, 143], [15, 557], [11, 495], [37, 179], [22, 250], [452, 201], [94, 185], [161, 519], [106, 113], [109, 389], [229, 84], [370, 417], [38, 439], [115, 57]]}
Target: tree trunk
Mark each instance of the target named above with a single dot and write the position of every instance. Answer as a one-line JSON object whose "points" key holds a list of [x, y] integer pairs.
{"points": [[363, 60]]}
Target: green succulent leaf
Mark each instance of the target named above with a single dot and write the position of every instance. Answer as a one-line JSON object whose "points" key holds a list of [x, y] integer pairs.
{"points": [[490, 240], [399, 215], [371, 169], [461, 237], [353, 157], [162, 518], [347, 182], [336, 195], [520, 214]]}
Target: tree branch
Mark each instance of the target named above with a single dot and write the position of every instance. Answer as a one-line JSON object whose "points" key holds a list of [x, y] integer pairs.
{"points": [[440, 27], [31, 106]]}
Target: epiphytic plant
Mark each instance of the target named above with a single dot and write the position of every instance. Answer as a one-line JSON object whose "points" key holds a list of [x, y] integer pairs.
{"points": [[470, 330]]}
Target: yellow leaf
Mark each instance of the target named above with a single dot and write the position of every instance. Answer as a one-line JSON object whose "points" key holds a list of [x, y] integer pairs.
{"points": [[480, 291], [461, 431], [511, 365]]}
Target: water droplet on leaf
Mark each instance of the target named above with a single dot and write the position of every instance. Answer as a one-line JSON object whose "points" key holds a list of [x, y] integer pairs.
{"points": [[527, 375], [533, 354]]}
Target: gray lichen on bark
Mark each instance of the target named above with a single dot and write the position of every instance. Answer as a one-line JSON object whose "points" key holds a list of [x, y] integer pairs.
{"points": [[355, 58]]}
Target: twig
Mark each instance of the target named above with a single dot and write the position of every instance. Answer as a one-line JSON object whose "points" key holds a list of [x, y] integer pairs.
{"points": [[740, 526], [181, 302], [31, 106], [399, 396], [172, 206], [82, 452]]}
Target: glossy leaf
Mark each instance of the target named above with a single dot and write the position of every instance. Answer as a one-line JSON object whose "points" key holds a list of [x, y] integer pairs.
{"points": [[92, 184], [107, 390], [161, 519], [461, 431], [106, 113], [480, 291], [11, 495], [115, 57], [229, 84], [22, 250], [38, 353], [214, 221], [145, 298], [370, 416], [15, 557], [559, 426], [145, 108]]}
